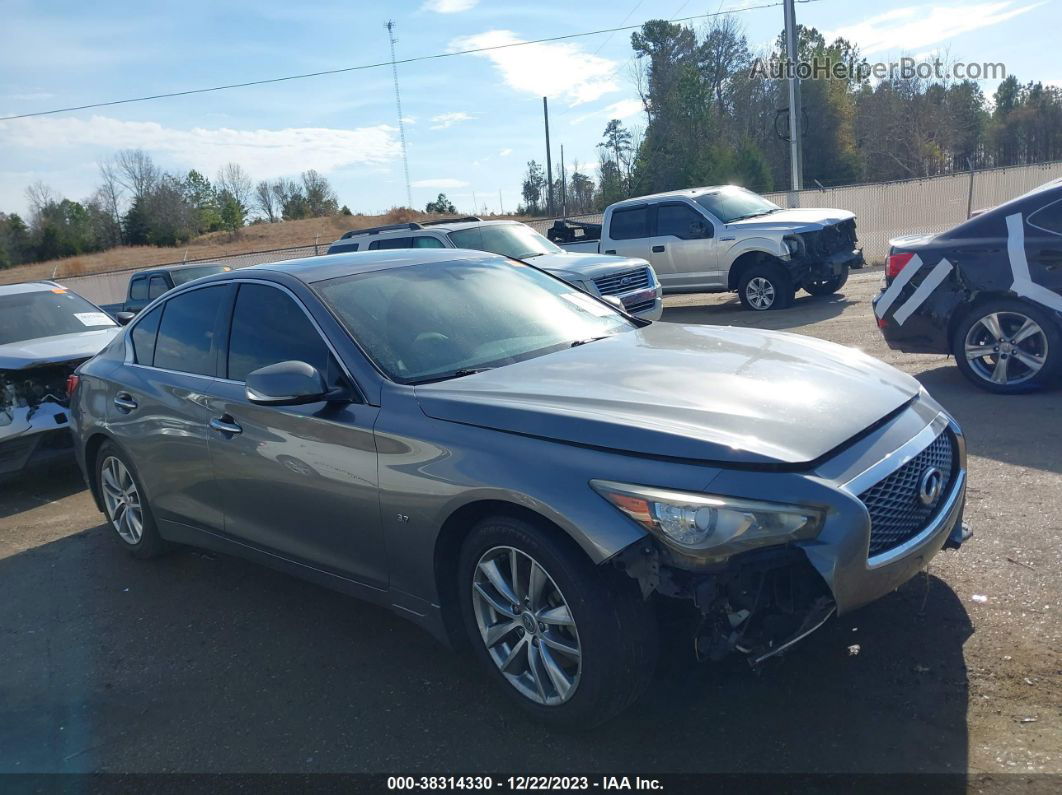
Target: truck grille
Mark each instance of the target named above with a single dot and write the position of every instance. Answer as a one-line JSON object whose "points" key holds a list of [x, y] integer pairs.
{"points": [[622, 282], [832, 239], [897, 513]]}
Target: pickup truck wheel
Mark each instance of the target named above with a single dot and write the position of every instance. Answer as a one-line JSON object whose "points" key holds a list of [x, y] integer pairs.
{"points": [[828, 286], [766, 286], [1008, 346], [571, 643]]}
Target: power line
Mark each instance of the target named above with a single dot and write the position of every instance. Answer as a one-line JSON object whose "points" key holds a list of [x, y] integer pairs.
{"points": [[362, 67]]}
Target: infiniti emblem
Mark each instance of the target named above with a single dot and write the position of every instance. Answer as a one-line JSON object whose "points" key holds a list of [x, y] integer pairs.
{"points": [[930, 486]]}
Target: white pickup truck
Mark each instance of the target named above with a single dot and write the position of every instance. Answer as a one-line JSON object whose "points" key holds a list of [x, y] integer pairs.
{"points": [[725, 238], [628, 280]]}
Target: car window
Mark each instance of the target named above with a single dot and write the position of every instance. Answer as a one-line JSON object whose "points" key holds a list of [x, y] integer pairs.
{"points": [[143, 336], [1048, 218], [680, 221], [186, 333], [138, 290], [518, 241], [629, 224], [424, 241], [391, 242], [184, 275], [156, 287], [287, 336]]}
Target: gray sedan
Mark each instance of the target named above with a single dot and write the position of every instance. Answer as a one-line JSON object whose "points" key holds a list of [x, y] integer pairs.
{"points": [[518, 466]]}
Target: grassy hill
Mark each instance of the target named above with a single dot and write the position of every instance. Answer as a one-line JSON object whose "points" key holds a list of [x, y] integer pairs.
{"points": [[258, 237]]}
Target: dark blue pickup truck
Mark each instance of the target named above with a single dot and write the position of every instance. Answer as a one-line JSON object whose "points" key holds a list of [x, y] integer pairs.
{"points": [[147, 285]]}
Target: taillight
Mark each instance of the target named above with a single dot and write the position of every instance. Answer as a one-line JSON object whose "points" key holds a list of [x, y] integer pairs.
{"points": [[896, 262], [71, 384]]}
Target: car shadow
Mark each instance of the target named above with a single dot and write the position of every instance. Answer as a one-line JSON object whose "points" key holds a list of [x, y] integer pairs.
{"points": [[730, 312], [198, 662], [1024, 430], [29, 490]]}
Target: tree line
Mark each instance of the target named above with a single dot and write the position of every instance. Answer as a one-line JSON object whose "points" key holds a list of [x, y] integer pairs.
{"points": [[138, 203], [710, 118]]}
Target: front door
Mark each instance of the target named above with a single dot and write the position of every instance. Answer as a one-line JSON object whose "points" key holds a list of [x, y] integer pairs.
{"points": [[685, 240], [300, 481]]}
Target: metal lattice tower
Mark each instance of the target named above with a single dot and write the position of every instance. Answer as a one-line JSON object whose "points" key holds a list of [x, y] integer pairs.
{"points": [[398, 103]]}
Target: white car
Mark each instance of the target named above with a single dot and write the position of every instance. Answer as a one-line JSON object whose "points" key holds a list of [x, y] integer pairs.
{"points": [[726, 238], [46, 331], [631, 280]]}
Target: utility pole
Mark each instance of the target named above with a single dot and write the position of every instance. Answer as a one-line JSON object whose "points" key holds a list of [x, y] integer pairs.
{"points": [[549, 161], [796, 155], [398, 102], [564, 187], [501, 207]]}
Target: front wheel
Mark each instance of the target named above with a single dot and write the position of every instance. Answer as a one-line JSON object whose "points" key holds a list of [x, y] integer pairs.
{"points": [[765, 286], [1008, 346], [828, 286], [572, 644]]}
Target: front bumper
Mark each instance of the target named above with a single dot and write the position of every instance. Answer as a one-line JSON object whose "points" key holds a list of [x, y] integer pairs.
{"points": [[647, 303], [821, 269], [34, 438]]}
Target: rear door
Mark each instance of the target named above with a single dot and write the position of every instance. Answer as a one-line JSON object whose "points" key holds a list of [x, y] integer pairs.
{"points": [[297, 480], [160, 413], [684, 240], [629, 234]]}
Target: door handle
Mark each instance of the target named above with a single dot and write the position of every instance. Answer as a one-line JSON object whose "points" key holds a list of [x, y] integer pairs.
{"points": [[226, 426], [124, 402], [658, 249]]}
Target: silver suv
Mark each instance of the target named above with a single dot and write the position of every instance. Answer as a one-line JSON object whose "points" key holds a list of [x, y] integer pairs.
{"points": [[630, 280]]}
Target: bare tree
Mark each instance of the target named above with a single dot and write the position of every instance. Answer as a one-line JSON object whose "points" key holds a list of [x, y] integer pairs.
{"points": [[320, 198], [267, 201], [40, 196], [136, 172], [109, 193], [234, 180]]}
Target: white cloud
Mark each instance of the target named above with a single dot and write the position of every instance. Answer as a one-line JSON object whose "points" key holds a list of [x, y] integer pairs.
{"points": [[623, 109], [440, 183], [409, 119], [562, 71], [264, 153], [505, 152], [444, 120], [918, 26], [448, 6]]}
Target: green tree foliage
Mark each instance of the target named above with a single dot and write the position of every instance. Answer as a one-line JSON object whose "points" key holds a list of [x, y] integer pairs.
{"points": [[532, 190], [440, 205]]}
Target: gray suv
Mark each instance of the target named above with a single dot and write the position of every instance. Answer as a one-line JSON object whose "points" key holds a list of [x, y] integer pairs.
{"points": [[515, 465]]}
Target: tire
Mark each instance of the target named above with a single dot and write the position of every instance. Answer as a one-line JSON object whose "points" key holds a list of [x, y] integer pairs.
{"points": [[765, 286], [613, 628], [828, 286], [1008, 346], [125, 504]]}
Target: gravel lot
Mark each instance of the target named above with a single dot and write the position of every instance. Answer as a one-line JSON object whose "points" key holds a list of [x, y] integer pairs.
{"points": [[201, 663]]}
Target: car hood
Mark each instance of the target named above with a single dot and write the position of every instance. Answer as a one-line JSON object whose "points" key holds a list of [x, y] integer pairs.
{"points": [[587, 266], [709, 393], [800, 220], [55, 350]]}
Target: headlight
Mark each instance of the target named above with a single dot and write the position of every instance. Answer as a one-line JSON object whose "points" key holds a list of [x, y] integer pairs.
{"points": [[705, 521], [793, 244]]}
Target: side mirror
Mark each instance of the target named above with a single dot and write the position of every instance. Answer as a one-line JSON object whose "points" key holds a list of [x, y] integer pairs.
{"points": [[288, 384], [123, 318]]}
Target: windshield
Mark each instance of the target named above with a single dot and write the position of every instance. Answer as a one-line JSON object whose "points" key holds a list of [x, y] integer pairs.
{"points": [[439, 320], [732, 204], [184, 275], [47, 313], [509, 240]]}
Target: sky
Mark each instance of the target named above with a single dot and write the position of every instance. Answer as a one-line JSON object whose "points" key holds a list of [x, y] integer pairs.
{"points": [[471, 121]]}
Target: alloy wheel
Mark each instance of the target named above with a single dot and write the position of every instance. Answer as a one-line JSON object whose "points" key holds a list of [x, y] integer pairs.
{"points": [[122, 500], [526, 625], [1006, 348], [760, 293]]}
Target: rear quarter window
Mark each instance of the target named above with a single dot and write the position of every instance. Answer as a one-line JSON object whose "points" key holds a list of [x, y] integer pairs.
{"points": [[186, 333], [1048, 218], [629, 224], [143, 336]]}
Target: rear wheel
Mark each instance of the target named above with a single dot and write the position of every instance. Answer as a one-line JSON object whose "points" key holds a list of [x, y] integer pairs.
{"points": [[828, 286], [764, 286], [125, 505], [572, 644], [1008, 346]]}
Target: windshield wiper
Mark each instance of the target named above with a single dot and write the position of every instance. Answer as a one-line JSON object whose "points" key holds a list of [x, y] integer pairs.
{"points": [[751, 215], [577, 343], [461, 373]]}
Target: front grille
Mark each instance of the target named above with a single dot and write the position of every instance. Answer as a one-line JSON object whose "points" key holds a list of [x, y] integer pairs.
{"points": [[622, 282], [831, 240], [897, 513], [644, 306]]}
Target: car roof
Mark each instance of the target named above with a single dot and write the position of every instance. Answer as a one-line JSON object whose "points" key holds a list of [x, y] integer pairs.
{"points": [[333, 266], [685, 193], [29, 287], [182, 267], [406, 231]]}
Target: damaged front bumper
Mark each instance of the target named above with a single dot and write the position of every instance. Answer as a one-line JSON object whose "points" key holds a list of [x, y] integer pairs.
{"points": [[32, 437]]}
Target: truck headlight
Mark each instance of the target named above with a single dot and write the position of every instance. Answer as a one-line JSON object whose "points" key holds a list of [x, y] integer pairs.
{"points": [[793, 244], [699, 522]]}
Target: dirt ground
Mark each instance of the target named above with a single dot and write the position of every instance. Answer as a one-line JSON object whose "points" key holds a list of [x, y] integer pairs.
{"points": [[200, 663]]}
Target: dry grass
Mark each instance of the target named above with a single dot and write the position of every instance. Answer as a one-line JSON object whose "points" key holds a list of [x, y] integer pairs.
{"points": [[217, 244]]}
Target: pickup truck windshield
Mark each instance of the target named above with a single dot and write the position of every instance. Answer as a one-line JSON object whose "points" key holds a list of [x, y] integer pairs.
{"points": [[48, 313], [509, 240], [431, 322], [733, 204], [183, 275]]}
